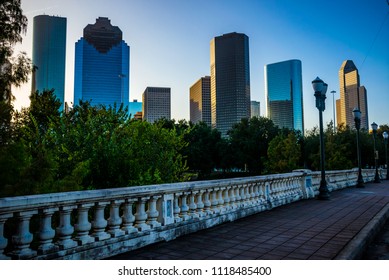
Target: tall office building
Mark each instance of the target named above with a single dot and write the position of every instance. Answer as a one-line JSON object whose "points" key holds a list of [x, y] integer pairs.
{"points": [[255, 109], [102, 65], [284, 94], [200, 101], [230, 80], [156, 104], [49, 54], [352, 95]]}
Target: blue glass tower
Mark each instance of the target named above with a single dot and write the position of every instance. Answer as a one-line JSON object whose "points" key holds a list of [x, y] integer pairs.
{"points": [[284, 94], [48, 55], [102, 62]]}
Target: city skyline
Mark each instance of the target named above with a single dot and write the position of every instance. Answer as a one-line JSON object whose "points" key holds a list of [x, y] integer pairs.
{"points": [[171, 48]]}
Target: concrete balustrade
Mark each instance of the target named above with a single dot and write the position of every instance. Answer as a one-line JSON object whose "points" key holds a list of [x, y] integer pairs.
{"points": [[101, 223]]}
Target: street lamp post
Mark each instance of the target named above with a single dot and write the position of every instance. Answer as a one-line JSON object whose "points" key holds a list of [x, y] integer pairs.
{"points": [[374, 126], [386, 136], [320, 89], [357, 119]]}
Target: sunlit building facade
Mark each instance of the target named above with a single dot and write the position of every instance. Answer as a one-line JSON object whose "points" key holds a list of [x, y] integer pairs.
{"points": [[352, 95], [102, 62], [156, 104], [284, 94], [200, 101], [49, 54], [230, 80]]}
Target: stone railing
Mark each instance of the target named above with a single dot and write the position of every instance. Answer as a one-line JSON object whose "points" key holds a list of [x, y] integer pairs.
{"points": [[101, 223]]}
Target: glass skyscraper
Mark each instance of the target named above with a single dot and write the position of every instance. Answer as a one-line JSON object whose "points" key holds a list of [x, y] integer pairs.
{"points": [[48, 55], [284, 94], [230, 80], [352, 95], [102, 62]]}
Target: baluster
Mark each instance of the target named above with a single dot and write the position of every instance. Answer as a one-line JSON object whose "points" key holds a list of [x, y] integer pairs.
{"points": [[247, 194], [200, 204], [220, 200], [184, 207], [115, 220], [226, 198], [153, 213], [128, 218], [207, 203], [23, 238], [237, 196], [83, 225], [214, 201], [141, 215], [65, 229], [177, 209], [99, 222], [192, 205], [46, 232], [3, 240], [232, 197], [242, 196], [252, 194]]}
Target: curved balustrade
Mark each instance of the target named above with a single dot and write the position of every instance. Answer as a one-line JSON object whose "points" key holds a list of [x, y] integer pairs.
{"points": [[100, 223]]}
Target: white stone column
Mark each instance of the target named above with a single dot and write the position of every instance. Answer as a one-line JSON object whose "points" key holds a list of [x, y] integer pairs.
{"points": [[23, 238], [220, 201], [200, 204], [184, 207], [214, 201], [65, 229], [83, 226], [99, 223], [46, 232], [207, 203], [141, 215], [226, 198], [192, 205], [231, 195], [238, 200], [152, 212], [127, 217], [115, 221], [3, 240], [177, 209]]}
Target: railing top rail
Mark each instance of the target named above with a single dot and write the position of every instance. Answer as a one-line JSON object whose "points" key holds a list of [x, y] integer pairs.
{"points": [[19, 203]]}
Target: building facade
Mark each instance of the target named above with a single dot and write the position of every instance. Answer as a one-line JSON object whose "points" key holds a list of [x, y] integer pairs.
{"points": [[102, 62], [49, 55], [255, 109], [134, 108], [352, 95], [230, 80], [156, 104], [284, 94], [200, 101]]}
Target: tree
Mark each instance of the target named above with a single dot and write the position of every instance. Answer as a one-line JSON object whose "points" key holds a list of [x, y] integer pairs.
{"points": [[13, 71], [284, 153], [249, 141]]}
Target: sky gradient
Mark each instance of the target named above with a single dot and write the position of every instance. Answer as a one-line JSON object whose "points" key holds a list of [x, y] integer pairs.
{"points": [[170, 43]]}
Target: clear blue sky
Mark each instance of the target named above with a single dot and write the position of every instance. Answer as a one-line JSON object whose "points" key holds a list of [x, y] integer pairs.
{"points": [[169, 43]]}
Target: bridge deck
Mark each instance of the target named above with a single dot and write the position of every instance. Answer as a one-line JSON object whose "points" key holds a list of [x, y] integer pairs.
{"points": [[310, 229]]}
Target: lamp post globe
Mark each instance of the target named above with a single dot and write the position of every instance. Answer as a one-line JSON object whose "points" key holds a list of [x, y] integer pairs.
{"points": [[386, 136], [374, 127], [320, 89], [357, 119]]}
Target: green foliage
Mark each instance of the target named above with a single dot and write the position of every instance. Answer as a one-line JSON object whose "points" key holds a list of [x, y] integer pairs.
{"points": [[284, 153]]}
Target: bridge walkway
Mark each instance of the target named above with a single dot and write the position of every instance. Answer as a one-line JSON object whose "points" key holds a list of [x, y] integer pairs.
{"points": [[340, 228]]}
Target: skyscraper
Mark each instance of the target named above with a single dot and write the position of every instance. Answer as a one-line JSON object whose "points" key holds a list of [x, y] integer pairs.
{"points": [[230, 80], [351, 95], [102, 65], [48, 55], [200, 101], [156, 104], [284, 94], [255, 109]]}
